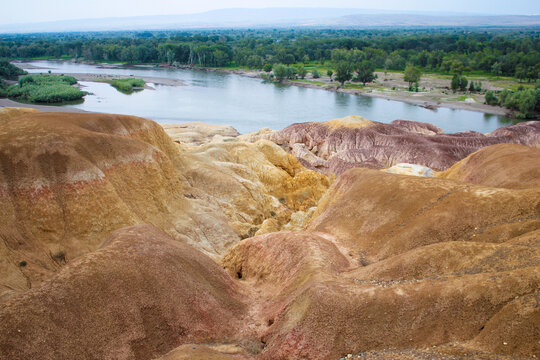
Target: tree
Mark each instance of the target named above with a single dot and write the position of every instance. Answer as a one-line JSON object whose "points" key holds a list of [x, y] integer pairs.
{"points": [[463, 82], [315, 74], [281, 72], [521, 72], [291, 72], [301, 70], [455, 82], [491, 99], [289, 59], [330, 73], [472, 88], [366, 72], [412, 74], [267, 68], [343, 72], [496, 69], [479, 86], [457, 67]]}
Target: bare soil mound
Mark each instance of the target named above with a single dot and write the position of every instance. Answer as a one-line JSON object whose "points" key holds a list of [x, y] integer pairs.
{"points": [[504, 165], [139, 296]]}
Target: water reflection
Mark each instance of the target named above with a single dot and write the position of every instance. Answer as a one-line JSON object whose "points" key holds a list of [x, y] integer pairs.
{"points": [[342, 99]]}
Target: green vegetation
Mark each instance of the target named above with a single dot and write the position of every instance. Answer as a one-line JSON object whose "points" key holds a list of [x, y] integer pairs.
{"points": [[412, 75], [365, 72], [459, 83], [301, 71], [525, 103], [9, 71], [499, 52], [128, 85], [45, 89]]}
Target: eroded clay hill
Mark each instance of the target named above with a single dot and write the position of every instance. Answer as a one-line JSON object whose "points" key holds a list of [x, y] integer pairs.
{"points": [[380, 265], [137, 297], [504, 165], [341, 144], [68, 180], [393, 261]]}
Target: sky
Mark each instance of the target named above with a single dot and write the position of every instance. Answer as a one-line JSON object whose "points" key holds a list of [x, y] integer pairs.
{"points": [[30, 11]]}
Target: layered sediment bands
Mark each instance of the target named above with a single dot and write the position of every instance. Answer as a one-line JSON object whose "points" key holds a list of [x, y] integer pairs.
{"points": [[139, 296], [258, 186], [68, 180], [391, 214], [341, 144], [383, 265], [504, 165], [400, 262], [197, 133]]}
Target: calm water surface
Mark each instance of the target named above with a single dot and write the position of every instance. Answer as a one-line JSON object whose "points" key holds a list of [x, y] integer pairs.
{"points": [[250, 104]]}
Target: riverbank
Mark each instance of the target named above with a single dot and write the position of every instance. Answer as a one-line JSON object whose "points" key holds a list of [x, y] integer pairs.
{"points": [[434, 92], [391, 88]]}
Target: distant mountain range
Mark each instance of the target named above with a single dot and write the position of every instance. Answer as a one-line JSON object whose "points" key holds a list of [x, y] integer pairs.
{"points": [[278, 17]]}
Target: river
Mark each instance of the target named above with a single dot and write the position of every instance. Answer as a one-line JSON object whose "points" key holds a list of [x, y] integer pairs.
{"points": [[249, 104]]}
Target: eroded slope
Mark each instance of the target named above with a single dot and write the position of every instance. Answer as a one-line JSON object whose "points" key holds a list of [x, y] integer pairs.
{"points": [[341, 144]]}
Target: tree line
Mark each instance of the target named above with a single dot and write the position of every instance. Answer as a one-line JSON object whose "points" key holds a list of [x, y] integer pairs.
{"points": [[501, 52]]}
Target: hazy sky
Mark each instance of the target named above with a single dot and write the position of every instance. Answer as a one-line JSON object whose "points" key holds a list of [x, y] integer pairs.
{"points": [[25, 11]]}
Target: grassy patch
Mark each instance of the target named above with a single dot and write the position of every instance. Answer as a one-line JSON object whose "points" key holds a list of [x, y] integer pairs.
{"points": [[45, 89], [354, 86], [314, 82], [129, 85]]}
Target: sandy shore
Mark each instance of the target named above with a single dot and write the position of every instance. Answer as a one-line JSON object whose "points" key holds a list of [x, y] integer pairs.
{"points": [[415, 99], [107, 78]]}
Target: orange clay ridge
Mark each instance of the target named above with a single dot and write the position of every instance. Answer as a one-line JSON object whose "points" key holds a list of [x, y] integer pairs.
{"points": [[118, 242]]}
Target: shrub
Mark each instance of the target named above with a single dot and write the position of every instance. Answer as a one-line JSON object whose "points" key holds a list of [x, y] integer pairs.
{"points": [[301, 70], [9, 71], [128, 85], [491, 99], [280, 72], [45, 89], [315, 74]]}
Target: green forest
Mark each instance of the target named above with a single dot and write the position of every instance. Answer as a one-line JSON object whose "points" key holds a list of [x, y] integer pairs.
{"points": [[506, 52]]}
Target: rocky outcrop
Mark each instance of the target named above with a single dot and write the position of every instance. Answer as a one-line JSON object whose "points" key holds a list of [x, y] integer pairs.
{"points": [[197, 133], [505, 165], [258, 186], [139, 296], [338, 145]]}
